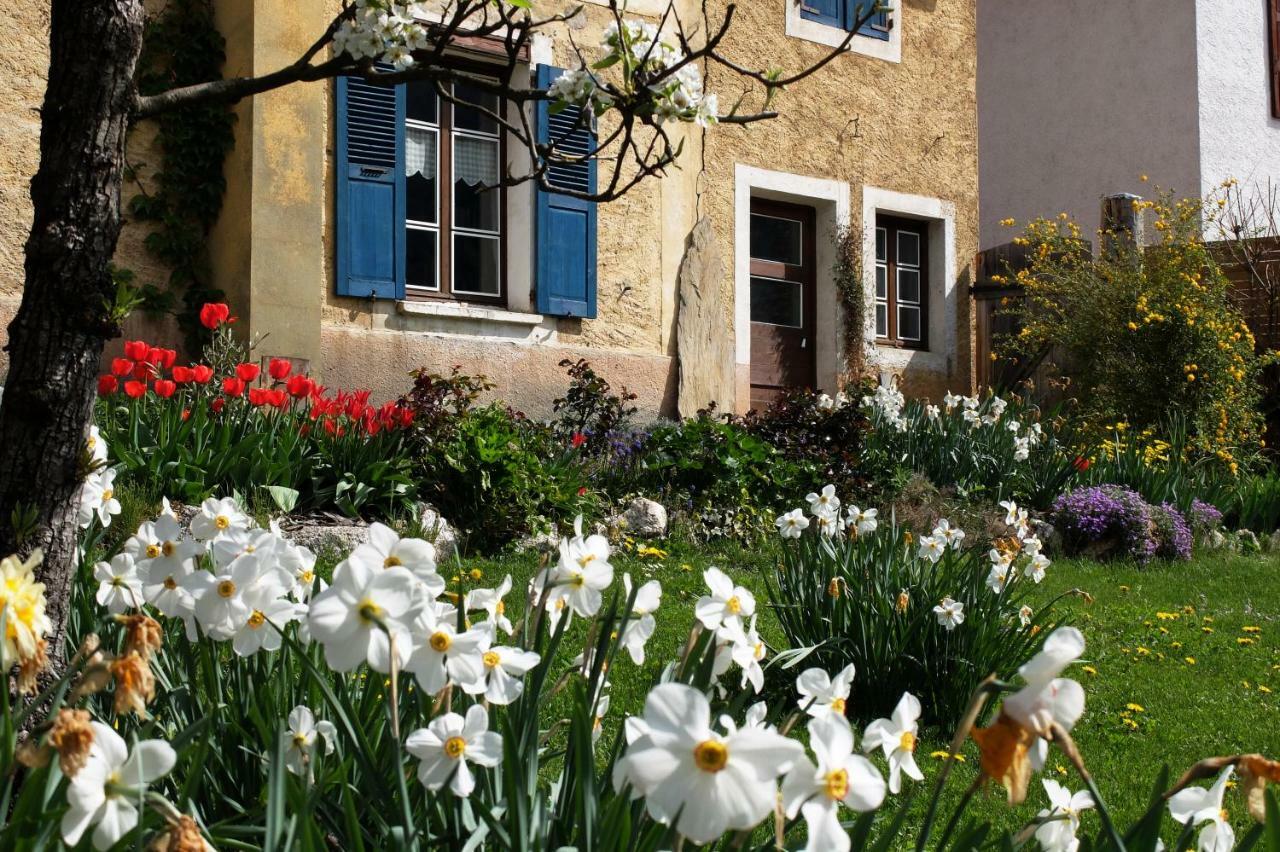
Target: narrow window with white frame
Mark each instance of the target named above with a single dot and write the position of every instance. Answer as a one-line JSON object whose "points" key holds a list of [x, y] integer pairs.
{"points": [[901, 285]]}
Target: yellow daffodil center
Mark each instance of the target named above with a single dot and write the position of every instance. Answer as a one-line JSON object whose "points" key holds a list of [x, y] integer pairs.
{"points": [[711, 755], [117, 581], [578, 581], [440, 641], [307, 577], [369, 611], [454, 747], [257, 619], [167, 548], [491, 659], [222, 522], [500, 608], [586, 559], [758, 650], [170, 583], [837, 783], [107, 494], [226, 588], [837, 704], [733, 605], [391, 561], [299, 740], [907, 742], [153, 550]]}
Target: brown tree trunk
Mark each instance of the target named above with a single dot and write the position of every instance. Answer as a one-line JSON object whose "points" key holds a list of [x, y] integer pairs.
{"points": [[56, 339]]}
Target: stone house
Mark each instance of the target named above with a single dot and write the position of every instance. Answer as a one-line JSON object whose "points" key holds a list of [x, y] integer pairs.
{"points": [[352, 235]]}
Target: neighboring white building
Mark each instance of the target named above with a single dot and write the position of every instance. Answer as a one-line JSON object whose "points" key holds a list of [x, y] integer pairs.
{"points": [[1079, 98]]}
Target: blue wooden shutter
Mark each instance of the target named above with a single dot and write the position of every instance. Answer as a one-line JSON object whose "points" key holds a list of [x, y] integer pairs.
{"points": [[829, 12], [565, 227], [371, 190], [876, 27]]}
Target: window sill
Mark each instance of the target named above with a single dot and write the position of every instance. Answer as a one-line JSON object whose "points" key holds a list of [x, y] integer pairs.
{"points": [[464, 311]]}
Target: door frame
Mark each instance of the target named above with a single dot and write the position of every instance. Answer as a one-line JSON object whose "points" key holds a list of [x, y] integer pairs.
{"points": [[804, 274]]}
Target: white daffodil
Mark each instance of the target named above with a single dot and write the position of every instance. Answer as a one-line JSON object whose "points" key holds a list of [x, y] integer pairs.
{"points": [[825, 403], [865, 522], [349, 617], [692, 776], [932, 547], [583, 572], [932, 412], [442, 655], [234, 544], [897, 736], [216, 517], [119, 588], [597, 723], [491, 601], [503, 671], [1047, 698], [449, 744], [950, 613], [1011, 512], [950, 536], [840, 778], [829, 525], [1031, 545], [642, 624], [97, 498], [108, 788], [726, 605], [225, 600], [1024, 615], [161, 549], [1058, 833], [302, 738], [1197, 806], [792, 524], [385, 549], [1036, 567], [96, 446], [268, 615], [820, 693], [1001, 574], [825, 502], [950, 400], [298, 563], [747, 649]]}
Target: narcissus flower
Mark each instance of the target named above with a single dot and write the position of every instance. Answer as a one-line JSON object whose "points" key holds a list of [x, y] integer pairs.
{"points": [[303, 737], [704, 782], [217, 517], [642, 624], [727, 605], [495, 607], [897, 736], [792, 524], [504, 669], [386, 549], [581, 575], [354, 618], [446, 747], [106, 790], [820, 693], [441, 655], [119, 588], [863, 521], [22, 600], [950, 613], [825, 502], [1058, 833], [1196, 806], [840, 778]]}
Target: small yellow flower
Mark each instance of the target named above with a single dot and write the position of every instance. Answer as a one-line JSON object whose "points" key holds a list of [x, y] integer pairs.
{"points": [[1124, 588], [1143, 652], [1245, 640], [1191, 661], [1251, 629], [943, 755], [1131, 724], [476, 573], [1136, 708], [1062, 770], [1090, 670], [1265, 689], [1175, 645]]}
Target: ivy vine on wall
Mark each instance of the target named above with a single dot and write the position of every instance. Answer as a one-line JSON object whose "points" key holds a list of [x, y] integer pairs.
{"points": [[182, 47], [846, 271]]}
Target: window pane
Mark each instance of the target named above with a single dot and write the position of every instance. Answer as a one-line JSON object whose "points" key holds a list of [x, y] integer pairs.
{"points": [[476, 265], [908, 323], [777, 302], [909, 285], [420, 259], [775, 239], [882, 320], [421, 101], [882, 282], [420, 166], [882, 245], [908, 248], [475, 164], [471, 119]]}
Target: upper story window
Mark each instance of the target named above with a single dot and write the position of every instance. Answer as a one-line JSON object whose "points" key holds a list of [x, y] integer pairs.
{"points": [[844, 14], [454, 208], [902, 290]]}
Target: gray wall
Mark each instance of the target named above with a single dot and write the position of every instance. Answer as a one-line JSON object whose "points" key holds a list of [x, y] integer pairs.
{"points": [[1077, 99]]}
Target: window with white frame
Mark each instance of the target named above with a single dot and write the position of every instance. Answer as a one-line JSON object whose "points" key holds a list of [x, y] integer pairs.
{"points": [[901, 303]]}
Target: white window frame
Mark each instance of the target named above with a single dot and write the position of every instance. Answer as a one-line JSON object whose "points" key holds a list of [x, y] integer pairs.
{"points": [[889, 50]]}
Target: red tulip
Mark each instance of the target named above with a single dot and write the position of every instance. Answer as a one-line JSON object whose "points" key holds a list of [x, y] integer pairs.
{"points": [[167, 357], [217, 405], [121, 366], [201, 373], [214, 314], [183, 375], [578, 440], [247, 372], [258, 396], [135, 389], [1081, 463], [279, 368], [136, 350], [186, 414], [278, 398], [107, 385], [299, 386], [142, 371], [232, 386], [164, 388]]}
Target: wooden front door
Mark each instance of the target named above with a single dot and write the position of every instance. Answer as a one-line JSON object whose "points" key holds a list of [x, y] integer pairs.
{"points": [[783, 307]]}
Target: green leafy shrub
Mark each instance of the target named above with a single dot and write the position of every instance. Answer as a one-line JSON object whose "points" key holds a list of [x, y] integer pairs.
{"points": [[591, 413]]}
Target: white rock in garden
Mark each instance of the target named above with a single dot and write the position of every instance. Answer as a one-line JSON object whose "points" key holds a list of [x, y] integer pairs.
{"points": [[1047, 533], [546, 541], [437, 530], [1273, 542], [340, 538], [643, 518]]}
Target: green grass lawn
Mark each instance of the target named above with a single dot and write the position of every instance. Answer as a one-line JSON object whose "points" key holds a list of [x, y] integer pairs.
{"points": [[1172, 674]]}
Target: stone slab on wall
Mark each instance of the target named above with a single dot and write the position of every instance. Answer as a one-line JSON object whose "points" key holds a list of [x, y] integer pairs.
{"points": [[704, 342]]}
